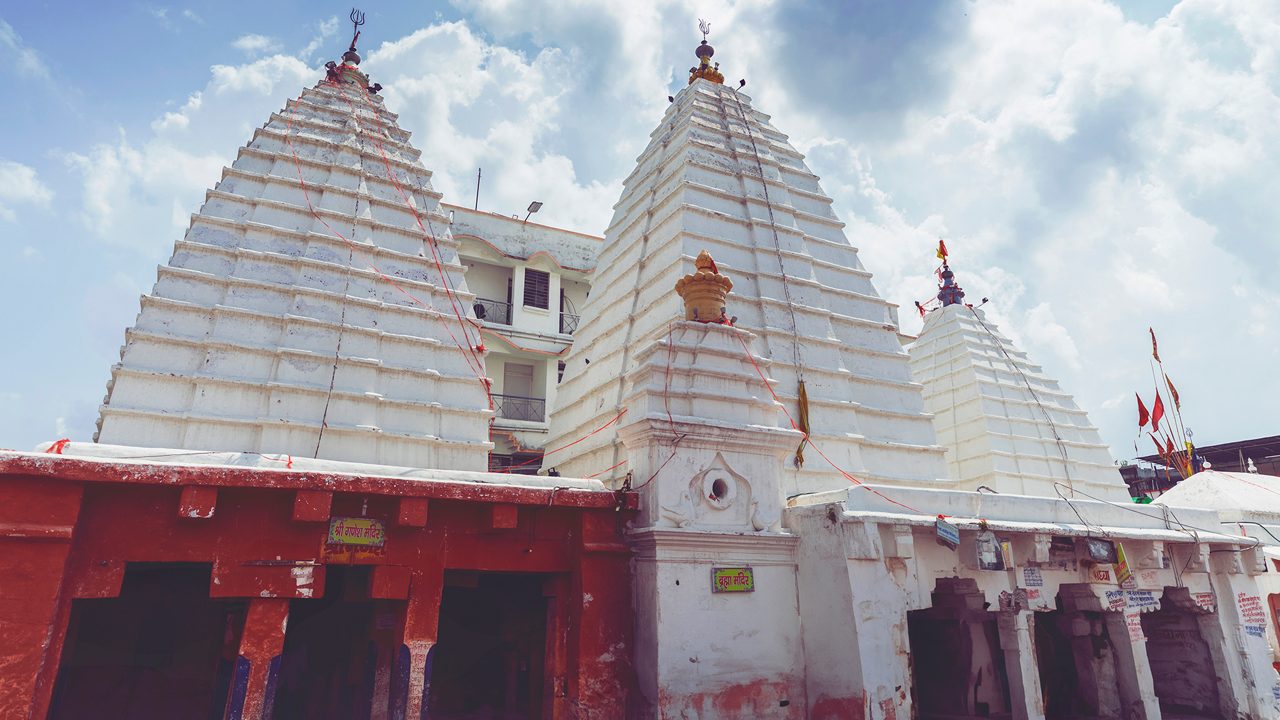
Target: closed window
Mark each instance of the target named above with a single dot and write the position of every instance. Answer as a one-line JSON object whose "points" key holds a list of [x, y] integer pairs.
{"points": [[537, 288]]}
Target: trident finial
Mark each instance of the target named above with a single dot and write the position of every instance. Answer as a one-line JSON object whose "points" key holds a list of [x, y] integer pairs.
{"points": [[705, 27], [357, 19]]}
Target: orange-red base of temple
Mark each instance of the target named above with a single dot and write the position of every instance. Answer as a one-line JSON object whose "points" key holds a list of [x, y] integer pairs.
{"points": [[132, 590]]}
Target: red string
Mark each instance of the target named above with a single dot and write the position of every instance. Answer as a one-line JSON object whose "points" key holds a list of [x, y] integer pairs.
{"points": [[311, 207], [666, 402], [575, 442], [615, 467], [809, 440], [444, 278]]}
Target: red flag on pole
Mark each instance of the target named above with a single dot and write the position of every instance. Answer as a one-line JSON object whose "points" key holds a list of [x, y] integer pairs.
{"points": [[1157, 412], [1155, 350], [1159, 447], [1173, 392], [1143, 415], [942, 250]]}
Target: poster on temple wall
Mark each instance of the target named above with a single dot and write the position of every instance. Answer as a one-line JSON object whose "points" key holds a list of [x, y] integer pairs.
{"points": [[1133, 623]]}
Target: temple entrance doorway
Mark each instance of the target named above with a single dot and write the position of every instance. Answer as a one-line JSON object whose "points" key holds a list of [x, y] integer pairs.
{"points": [[1087, 661], [162, 649], [1182, 667], [490, 655], [329, 660], [957, 664]]}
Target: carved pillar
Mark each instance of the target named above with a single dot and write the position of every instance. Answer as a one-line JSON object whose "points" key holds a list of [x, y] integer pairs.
{"points": [[411, 685], [1025, 697], [253, 684], [1133, 670]]}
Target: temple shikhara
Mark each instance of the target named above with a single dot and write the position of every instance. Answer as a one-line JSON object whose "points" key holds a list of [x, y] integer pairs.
{"points": [[369, 454]]}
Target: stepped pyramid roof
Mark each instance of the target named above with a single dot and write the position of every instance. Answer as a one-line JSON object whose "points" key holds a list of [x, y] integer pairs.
{"points": [[1005, 424], [315, 306], [717, 176]]}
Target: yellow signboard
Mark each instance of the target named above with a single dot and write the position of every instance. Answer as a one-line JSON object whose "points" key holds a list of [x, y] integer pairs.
{"points": [[1123, 574], [366, 532], [732, 580]]}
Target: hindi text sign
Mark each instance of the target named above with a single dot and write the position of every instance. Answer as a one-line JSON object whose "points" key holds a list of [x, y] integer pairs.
{"points": [[732, 580]]}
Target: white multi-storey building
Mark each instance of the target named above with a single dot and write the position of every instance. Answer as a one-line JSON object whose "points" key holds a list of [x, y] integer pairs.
{"points": [[529, 281]]}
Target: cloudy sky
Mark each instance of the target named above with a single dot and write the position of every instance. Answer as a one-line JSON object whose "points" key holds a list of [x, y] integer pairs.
{"points": [[1096, 167]]}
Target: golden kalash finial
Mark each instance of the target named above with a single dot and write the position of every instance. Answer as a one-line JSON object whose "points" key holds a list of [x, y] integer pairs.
{"points": [[704, 291], [704, 69]]}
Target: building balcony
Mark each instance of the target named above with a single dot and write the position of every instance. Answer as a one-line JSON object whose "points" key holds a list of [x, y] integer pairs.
{"points": [[517, 407], [568, 323], [493, 311]]}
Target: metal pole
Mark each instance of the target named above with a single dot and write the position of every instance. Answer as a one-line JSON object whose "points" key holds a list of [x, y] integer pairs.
{"points": [[477, 207]]}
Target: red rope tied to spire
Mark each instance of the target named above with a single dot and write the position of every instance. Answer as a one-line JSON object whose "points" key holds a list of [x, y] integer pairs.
{"points": [[427, 235], [474, 363], [809, 440]]}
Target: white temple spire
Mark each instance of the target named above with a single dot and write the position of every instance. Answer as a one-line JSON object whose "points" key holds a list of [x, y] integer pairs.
{"points": [[1006, 425], [717, 176], [316, 305]]}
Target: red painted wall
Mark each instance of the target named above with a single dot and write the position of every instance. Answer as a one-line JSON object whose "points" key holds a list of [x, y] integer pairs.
{"points": [[68, 527]]}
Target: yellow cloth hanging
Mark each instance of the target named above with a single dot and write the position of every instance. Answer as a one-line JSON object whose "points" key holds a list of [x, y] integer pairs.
{"points": [[804, 424]]}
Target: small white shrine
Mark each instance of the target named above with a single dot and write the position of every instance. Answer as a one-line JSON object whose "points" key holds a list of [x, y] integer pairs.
{"points": [[1006, 425]]}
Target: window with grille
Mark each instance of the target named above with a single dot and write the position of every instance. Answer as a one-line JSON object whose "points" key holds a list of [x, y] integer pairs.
{"points": [[537, 288]]}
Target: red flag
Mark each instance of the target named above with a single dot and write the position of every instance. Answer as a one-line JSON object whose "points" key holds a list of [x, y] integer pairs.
{"points": [[1173, 392], [1143, 416], [942, 250], [1159, 448], [1155, 350], [1157, 412]]}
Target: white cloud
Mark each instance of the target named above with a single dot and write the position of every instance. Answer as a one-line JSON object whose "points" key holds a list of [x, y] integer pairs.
{"points": [[131, 187], [19, 185], [1092, 175], [20, 57], [323, 31], [255, 44]]}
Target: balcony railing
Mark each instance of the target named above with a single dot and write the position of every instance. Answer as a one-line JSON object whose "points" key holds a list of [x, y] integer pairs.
{"points": [[494, 311], [520, 463], [568, 323], [516, 407]]}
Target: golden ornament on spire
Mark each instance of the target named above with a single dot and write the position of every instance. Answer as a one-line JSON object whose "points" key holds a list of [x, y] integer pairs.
{"points": [[704, 69], [704, 291]]}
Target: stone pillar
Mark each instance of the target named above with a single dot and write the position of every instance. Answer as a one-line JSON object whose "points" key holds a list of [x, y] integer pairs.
{"points": [[599, 618], [1025, 697], [1238, 643], [412, 683], [36, 527], [1133, 670], [253, 685]]}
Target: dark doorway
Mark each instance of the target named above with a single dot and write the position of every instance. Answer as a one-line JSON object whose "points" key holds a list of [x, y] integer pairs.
{"points": [[490, 653], [162, 649], [1181, 666], [1079, 673], [328, 665], [957, 664]]}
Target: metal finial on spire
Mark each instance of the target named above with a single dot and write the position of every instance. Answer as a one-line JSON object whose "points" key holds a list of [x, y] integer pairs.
{"points": [[704, 69], [357, 19]]}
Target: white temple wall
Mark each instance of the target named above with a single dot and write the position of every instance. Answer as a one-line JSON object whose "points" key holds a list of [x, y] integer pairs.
{"points": [[884, 567]]}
